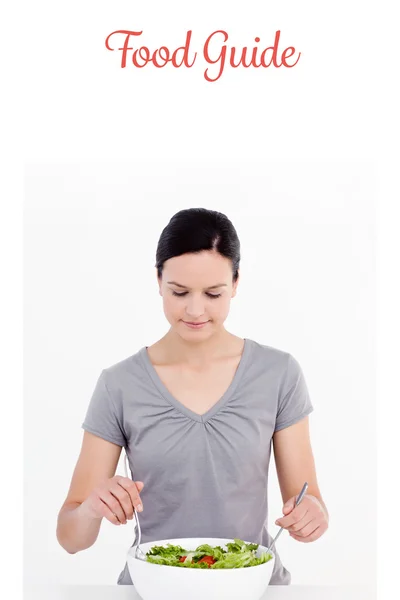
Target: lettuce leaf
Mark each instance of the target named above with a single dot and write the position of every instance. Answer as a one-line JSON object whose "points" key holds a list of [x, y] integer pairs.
{"points": [[240, 546]]}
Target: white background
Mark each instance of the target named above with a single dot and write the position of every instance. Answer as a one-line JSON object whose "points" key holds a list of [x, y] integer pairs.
{"points": [[91, 299], [81, 104], [65, 100]]}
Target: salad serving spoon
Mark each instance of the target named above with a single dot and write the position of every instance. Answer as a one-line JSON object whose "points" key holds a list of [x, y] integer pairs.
{"points": [[299, 499], [139, 554]]}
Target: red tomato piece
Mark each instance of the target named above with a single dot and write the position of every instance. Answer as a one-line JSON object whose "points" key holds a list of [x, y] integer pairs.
{"points": [[182, 559], [209, 560]]}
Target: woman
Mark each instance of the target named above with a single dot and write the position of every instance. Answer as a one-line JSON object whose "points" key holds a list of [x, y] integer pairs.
{"points": [[196, 413]]}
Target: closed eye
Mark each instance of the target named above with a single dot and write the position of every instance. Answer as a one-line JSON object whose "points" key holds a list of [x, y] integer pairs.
{"points": [[181, 294]]}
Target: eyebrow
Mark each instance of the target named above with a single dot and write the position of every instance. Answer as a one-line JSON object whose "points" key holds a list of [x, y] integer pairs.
{"points": [[212, 287]]}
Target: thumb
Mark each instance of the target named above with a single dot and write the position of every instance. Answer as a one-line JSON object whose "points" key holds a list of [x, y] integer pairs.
{"points": [[139, 485], [289, 505]]}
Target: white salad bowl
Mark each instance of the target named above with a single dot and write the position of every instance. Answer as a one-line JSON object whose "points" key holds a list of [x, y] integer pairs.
{"points": [[163, 582]]}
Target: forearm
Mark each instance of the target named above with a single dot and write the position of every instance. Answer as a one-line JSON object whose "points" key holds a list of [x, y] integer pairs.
{"points": [[76, 530], [295, 462]]}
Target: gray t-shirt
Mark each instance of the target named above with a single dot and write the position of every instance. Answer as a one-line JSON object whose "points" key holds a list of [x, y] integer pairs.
{"points": [[204, 476]]}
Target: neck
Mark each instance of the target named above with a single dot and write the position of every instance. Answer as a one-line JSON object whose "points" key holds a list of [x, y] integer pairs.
{"points": [[180, 350]]}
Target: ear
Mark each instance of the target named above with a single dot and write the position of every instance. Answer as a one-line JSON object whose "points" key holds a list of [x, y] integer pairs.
{"points": [[159, 283], [235, 285]]}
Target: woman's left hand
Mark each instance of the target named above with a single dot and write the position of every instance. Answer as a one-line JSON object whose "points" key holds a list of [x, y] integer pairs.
{"points": [[305, 522]]}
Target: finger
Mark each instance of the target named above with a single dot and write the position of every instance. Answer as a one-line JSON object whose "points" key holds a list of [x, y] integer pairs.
{"points": [[289, 506], [308, 529], [105, 512], [310, 538], [130, 487], [296, 515], [300, 525], [113, 504], [124, 499], [139, 485]]}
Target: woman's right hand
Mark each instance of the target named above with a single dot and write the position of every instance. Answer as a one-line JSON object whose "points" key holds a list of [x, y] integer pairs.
{"points": [[114, 500]]}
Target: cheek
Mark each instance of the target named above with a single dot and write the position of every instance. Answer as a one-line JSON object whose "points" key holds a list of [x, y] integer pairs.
{"points": [[172, 306], [219, 309]]}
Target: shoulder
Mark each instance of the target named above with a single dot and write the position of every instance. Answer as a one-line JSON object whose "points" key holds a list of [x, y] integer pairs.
{"points": [[268, 354], [126, 370], [278, 361]]}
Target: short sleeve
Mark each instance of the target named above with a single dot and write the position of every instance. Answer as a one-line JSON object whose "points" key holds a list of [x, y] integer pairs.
{"points": [[294, 402], [102, 418]]}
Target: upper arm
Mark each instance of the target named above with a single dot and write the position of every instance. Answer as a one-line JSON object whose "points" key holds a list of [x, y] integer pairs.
{"points": [[294, 460], [294, 403], [104, 416], [98, 460]]}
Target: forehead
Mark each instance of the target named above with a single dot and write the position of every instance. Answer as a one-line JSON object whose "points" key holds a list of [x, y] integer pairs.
{"points": [[203, 269]]}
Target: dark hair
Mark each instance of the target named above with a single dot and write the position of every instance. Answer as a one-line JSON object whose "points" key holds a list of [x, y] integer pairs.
{"points": [[196, 230]]}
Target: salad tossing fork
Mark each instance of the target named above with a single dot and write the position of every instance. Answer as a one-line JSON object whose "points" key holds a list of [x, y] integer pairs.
{"points": [[139, 554]]}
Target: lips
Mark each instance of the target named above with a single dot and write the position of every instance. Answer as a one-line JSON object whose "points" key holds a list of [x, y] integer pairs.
{"points": [[194, 325]]}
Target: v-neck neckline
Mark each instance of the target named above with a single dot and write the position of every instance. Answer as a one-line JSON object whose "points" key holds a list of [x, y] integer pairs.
{"points": [[166, 394]]}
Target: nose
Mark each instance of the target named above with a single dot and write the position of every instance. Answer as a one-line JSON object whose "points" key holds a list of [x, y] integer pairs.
{"points": [[195, 307]]}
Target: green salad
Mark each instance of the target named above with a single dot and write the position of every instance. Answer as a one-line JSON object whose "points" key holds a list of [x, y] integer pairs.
{"points": [[238, 554]]}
